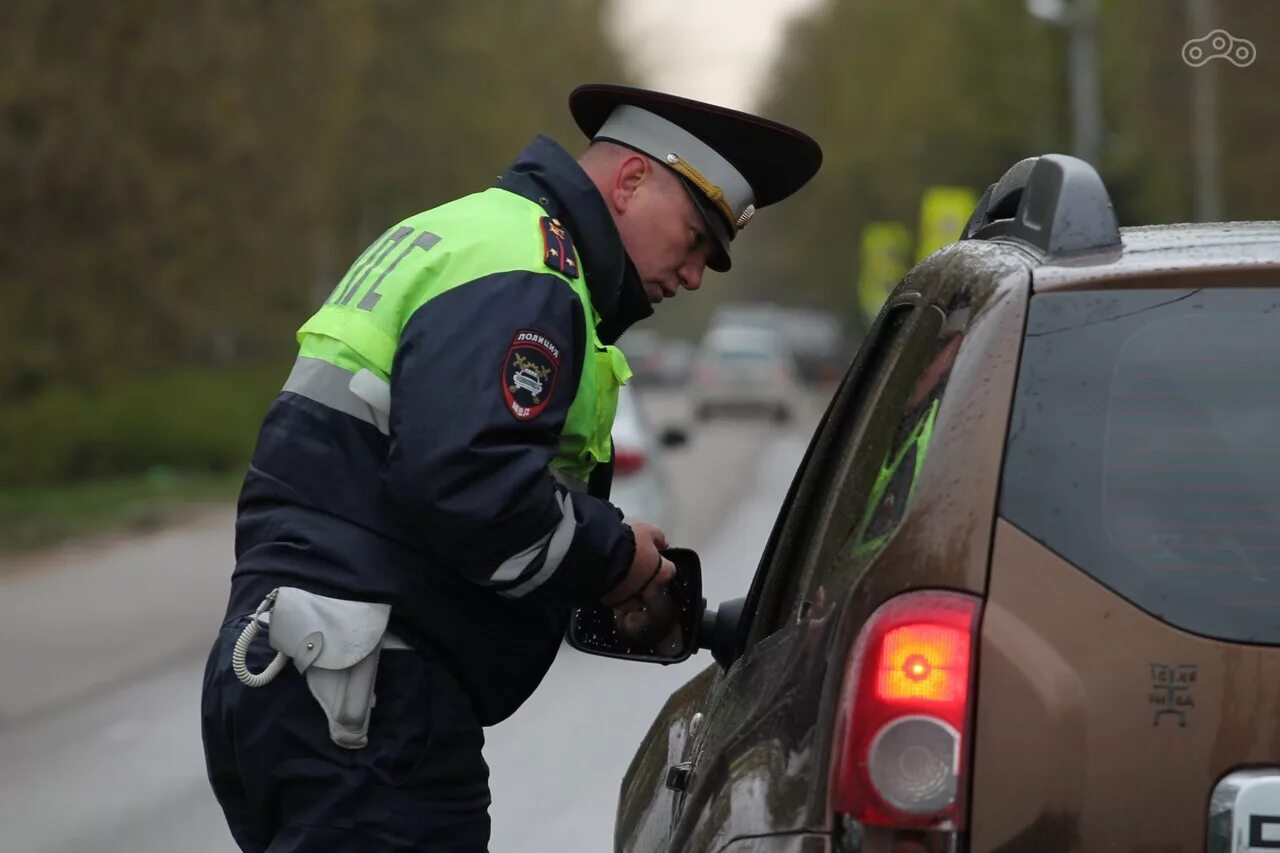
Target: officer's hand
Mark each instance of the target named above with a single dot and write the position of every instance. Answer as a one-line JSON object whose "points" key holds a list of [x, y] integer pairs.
{"points": [[650, 572]]}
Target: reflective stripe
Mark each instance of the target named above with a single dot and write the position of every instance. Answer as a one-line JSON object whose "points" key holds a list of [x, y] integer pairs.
{"points": [[376, 391], [570, 482], [561, 539], [362, 395], [513, 566]]}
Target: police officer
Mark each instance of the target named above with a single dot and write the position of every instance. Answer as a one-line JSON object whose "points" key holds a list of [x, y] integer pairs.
{"points": [[427, 498]]}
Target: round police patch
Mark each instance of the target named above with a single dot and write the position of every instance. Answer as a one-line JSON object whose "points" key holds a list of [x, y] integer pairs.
{"points": [[529, 373]]}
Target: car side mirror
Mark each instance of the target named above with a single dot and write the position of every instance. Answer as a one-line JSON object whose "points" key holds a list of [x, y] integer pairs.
{"points": [[595, 629], [673, 437], [720, 629]]}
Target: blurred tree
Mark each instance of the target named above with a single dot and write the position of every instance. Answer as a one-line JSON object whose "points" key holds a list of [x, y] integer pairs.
{"points": [[922, 92], [902, 96], [184, 181]]}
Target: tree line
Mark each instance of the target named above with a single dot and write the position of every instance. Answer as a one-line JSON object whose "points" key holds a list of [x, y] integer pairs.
{"points": [[184, 182], [918, 93], [183, 179]]}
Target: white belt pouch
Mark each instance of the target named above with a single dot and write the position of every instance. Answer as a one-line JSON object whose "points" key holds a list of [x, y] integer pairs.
{"points": [[335, 644]]}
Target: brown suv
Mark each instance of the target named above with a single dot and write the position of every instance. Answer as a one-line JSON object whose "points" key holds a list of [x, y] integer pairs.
{"points": [[1024, 593]]}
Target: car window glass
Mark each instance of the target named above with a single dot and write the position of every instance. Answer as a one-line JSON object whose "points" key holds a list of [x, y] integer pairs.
{"points": [[775, 589], [884, 459], [894, 482], [1142, 450]]}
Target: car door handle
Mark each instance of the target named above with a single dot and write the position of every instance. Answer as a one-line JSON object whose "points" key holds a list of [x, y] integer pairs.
{"points": [[678, 776]]}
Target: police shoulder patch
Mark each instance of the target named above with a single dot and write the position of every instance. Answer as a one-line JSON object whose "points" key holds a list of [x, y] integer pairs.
{"points": [[529, 373], [557, 247]]}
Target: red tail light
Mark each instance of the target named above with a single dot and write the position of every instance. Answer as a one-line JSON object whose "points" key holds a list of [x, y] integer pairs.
{"points": [[901, 747], [703, 373], [627, 460]]}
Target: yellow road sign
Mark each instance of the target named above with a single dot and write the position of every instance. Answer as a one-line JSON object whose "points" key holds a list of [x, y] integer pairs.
{"points": [[943, 213], [885, 257]]}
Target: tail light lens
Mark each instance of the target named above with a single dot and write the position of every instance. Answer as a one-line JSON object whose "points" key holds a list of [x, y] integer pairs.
{"points": [[902, 732], [627, 461], [703, 373]]}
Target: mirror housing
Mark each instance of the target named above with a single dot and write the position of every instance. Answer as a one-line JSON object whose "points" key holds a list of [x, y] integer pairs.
{"points": [[719, 631], [594, 630]]}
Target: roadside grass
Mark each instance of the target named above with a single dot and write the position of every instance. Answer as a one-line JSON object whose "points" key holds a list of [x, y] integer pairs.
{"points": [[136, 454], [33, 517]]}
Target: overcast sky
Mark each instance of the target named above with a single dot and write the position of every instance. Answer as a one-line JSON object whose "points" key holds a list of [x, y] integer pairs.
{"points": [[712, 50]]}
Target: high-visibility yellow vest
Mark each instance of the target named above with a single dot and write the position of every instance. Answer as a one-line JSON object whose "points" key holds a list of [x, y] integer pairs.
{"points": [[491, 232]]}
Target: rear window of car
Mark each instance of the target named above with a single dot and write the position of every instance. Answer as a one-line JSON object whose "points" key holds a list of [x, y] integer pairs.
{"points": [[1144, 448]]}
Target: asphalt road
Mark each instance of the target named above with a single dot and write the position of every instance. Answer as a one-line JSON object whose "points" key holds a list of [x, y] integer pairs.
{"points": [[104, 647]]}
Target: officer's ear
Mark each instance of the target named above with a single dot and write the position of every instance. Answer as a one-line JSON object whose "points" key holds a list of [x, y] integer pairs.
{"points": [[630, 175]]}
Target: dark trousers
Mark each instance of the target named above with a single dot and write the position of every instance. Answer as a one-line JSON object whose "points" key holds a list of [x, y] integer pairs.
{"points": [[421, 784]]}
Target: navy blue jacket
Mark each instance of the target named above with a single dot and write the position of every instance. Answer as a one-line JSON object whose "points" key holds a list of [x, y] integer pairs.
{"points": [[332, 504]]}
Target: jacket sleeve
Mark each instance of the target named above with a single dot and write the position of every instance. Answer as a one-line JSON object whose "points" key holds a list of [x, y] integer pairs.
{"points": [[483, 378]]}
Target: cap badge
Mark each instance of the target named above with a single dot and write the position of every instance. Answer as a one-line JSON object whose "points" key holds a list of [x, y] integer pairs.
{"points": [[713, 192]]}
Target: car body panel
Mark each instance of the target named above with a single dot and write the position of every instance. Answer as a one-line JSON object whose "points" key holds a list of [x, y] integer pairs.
{"points": [[1098, 726], [760, 762], [646, 806], [1046, 742], [756, 776]]}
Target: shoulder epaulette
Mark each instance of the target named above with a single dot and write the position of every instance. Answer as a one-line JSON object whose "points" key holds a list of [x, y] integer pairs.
{"points": [[557, 247]]}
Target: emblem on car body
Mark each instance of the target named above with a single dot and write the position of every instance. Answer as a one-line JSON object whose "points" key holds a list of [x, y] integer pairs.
{"points": [[1171, 691]]}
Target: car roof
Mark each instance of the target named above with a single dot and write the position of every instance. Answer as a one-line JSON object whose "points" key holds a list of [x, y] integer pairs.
{"points": [[1233, 250], [1056, 208]]}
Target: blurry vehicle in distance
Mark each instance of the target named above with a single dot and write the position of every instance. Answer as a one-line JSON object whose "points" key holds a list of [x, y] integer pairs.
{"points": [[744, 370], [643, 349], [758, 315], [1022, 594], [816, 337], [640, 487], [656, 360], [676, 362]]}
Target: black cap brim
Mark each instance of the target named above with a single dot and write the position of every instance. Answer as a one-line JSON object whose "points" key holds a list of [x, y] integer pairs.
{"points": [[775, 159]]}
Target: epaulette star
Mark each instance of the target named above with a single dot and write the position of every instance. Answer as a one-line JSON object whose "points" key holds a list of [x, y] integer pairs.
{"points": [[557, 247]]}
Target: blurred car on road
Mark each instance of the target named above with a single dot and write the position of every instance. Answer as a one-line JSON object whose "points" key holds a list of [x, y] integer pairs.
{"points": [[744, 370], [655, 359], [1023, 593], [640, 486], [818, 341], [816, 337]]}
